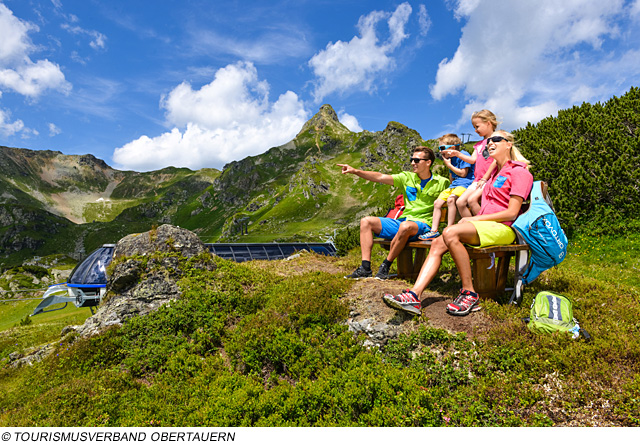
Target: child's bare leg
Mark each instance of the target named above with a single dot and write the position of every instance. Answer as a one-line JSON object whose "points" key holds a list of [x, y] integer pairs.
{"points": [[462, 202], [451, 206], [437, 214], [475, 201]]}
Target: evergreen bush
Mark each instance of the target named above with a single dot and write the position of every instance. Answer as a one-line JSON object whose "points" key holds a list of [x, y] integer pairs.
{"points": [[590, 157], [347, 239]]}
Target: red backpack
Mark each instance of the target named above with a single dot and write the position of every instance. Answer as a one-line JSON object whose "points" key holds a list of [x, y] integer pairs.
{"points": [[396, 212]]}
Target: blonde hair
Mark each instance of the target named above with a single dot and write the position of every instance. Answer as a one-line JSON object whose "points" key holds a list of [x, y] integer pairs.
{"points": [[516, 154], [486, 116], [449, 139]]}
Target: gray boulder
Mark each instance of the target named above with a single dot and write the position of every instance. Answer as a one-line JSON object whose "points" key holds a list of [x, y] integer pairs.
{"points": [[141, 280], [166, 238]]}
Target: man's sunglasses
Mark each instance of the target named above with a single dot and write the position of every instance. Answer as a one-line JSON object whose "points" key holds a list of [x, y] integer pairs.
{"points": [[416, 160], [445, 147], [496, 139]]}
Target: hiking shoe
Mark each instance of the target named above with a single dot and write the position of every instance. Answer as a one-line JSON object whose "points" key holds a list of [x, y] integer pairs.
{"points": [[464, 303], [429, 235], [407, 301], [360, 272], [383, 272]]}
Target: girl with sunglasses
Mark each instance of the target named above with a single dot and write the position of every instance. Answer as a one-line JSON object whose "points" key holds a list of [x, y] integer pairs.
{"points": [[508, 186], [484, 123]]}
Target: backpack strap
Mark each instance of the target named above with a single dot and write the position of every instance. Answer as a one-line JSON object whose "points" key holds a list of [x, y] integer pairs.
{"points": [[585, 334], [545, 194], [522, 261]]}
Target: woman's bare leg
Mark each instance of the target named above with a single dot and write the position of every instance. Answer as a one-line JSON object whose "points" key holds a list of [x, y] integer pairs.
{"points": [[431, 266], [455, 237]]}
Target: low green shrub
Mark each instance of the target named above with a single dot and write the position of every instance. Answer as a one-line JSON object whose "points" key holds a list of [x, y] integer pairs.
{"points": [[245, 347], [347, 239]]}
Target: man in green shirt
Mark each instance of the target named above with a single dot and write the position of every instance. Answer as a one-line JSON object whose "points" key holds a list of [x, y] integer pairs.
{"points": [[420, 189]]}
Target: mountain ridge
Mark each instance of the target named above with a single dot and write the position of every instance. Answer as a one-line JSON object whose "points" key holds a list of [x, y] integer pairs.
{"points": [[290, 192]]}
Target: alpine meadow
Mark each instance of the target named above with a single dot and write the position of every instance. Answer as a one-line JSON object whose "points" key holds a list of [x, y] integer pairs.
{"points": [[291, 342]]}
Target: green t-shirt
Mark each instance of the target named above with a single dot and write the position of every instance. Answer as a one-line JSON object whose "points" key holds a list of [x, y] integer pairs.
{"points": [[419, 197]]}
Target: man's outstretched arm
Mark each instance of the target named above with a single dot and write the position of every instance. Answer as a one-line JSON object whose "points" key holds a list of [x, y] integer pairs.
{"points": [[382, 178]]}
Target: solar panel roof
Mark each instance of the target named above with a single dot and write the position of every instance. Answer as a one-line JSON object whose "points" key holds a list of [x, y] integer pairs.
{"points": [[240, 252]]}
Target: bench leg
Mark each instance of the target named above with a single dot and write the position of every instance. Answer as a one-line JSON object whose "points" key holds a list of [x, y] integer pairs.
{"points": [[406, 264], [483, 278], [502, 273], [490, 283], [418, 261]]}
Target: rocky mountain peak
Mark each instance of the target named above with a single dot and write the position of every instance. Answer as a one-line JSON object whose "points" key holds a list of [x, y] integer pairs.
{"points": [[325, 117]]}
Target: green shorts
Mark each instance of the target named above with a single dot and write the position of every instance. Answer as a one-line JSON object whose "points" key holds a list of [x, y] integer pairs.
{"points": [[458, 191], [492, 233]]}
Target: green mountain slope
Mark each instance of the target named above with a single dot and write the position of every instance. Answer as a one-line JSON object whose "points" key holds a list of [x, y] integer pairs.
{"points": [[55, 203], [291, 192], [296, 191]]}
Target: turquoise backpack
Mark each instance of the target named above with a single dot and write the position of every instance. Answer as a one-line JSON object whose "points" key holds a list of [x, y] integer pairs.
{"points": [[554, 313]]}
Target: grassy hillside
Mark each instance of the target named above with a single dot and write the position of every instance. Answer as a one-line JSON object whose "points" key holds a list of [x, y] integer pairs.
{"points": [[245, 347]]}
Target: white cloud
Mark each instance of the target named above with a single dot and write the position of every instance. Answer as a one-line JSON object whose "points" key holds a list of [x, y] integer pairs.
{"points": [[8, 128], [349, 121], [525, 60], [54, 130], [424, 20], [272, 46], [17, 71], [234, 95], [98, 39], [227, 119], [14, 42], [464, 8], [31, 79], [361, 63]]}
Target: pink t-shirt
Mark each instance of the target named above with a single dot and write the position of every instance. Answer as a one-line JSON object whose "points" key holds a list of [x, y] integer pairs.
{"points": [[512, 180], [482, 163]]}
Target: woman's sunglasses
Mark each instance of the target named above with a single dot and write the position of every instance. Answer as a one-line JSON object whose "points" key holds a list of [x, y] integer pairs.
{"points": [[496, 139]]}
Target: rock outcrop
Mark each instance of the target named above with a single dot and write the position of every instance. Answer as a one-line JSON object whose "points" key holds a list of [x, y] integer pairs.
{"points": [[143, 277], [145, 271]]}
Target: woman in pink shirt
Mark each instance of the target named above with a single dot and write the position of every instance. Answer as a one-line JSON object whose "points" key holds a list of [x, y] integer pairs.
{"points": [[508, 186]]}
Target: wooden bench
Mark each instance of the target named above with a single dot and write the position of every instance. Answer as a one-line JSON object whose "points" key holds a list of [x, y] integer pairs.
{"points": [[489, 281]]}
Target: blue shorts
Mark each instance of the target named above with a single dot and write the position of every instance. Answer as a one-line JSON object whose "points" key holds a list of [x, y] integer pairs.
{"points": [[390, 228]]}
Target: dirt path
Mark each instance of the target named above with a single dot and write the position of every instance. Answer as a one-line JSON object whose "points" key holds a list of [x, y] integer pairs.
{"points": [[365, 299]]}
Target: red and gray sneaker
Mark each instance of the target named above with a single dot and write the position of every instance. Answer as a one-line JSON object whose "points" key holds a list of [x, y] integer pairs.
{"points": [[407, 301], [464, 303]]}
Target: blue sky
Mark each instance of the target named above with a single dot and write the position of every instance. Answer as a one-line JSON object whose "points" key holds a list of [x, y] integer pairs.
{"points": [[147, 84]]}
